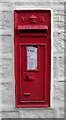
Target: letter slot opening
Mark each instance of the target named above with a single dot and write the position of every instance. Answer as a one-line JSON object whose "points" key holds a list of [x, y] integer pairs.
{"points": [[32, 29]]}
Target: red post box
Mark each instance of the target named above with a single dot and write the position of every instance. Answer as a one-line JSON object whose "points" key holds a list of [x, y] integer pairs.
{"points": [[32, 55]]}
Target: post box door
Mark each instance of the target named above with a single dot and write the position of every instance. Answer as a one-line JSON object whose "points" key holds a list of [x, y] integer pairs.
{"points": [[32, 66]]}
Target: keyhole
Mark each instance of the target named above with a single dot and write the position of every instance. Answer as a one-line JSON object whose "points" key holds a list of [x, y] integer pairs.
{"points": [[27, 77]]}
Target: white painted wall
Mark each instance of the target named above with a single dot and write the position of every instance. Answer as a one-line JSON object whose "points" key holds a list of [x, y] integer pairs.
{"points": [[7, 55]]}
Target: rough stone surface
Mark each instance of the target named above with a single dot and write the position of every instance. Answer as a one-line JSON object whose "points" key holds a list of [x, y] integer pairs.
{"points": [[8, 96], [31, 113], [7, 83], [0, 115], [10, 114]]}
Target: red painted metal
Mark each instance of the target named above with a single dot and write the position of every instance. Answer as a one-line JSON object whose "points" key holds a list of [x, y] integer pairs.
{"points": [[32, 28], [40, 27]]}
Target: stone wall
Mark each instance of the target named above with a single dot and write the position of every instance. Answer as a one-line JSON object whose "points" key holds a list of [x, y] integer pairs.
{"points": [[7, 82]]}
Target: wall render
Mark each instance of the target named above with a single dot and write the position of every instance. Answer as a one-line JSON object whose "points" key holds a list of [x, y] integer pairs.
{"points": [[7, 56]]}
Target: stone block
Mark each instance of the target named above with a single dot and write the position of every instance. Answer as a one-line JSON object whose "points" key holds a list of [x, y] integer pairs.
{"points": [[0, 115], [10, 114], [6, 31], [61, 68], [7, 59], [37, 113], [0, 19], [6, 5], [32, 113], [8, 97], [58, 96], [55, 67], [7, 19], [58, 69], [0, 97], [7, 70], [61, 112], [0, 46], [7, 46]]}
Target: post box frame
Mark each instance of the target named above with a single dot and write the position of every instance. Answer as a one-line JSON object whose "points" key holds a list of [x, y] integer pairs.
{"points": [[51, 61]]}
